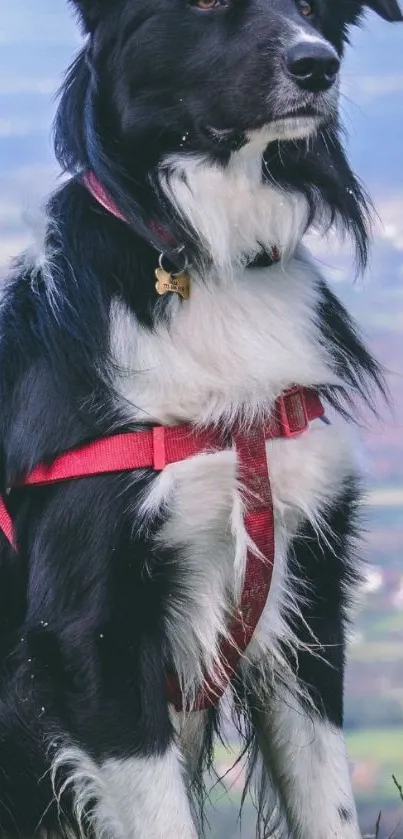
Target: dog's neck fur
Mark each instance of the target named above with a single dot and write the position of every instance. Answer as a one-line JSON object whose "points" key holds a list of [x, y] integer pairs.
{"points": [[235, 213], [250, 313]]}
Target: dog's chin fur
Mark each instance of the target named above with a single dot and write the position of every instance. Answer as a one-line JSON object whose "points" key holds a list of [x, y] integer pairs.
{"points": [[288, 128], [122, 577], [235, 214]]}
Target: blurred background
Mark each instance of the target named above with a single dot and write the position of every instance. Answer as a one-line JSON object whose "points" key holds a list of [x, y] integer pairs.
{"points": [[37, 40]]}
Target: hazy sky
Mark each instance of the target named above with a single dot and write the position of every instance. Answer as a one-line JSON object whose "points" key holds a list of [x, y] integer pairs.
{"points": [[38, 39]]}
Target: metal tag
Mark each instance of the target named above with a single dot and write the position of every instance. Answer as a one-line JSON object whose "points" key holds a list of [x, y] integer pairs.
{"points": [[178, 283]]}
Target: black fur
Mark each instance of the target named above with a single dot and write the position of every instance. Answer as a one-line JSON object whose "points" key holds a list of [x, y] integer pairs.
{"points": [[329, 580], [345, 815], [354, 364], [83, 604]]}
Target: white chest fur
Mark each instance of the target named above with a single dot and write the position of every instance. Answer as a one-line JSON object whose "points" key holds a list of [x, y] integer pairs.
{"points": [[242, 338], [230, 348]]}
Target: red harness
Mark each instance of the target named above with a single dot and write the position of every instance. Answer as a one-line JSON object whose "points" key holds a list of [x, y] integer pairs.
{"points": [[161, 446]]}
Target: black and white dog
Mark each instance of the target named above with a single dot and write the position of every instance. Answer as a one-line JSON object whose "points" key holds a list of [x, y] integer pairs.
{"points": [[206, 131]]}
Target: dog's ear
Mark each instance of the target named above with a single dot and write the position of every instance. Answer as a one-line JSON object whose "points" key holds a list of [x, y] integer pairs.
{"points": [[388, 9], [89, 11]]}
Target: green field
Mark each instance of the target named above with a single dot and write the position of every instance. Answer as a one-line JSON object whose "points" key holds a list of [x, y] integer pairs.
{"points": [[381, 749]]}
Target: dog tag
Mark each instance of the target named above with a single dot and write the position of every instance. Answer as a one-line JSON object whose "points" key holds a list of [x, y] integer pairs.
{"points": [[179, 283]]}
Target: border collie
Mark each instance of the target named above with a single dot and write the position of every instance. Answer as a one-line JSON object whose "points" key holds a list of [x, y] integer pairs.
{"points": [[200, 136]]}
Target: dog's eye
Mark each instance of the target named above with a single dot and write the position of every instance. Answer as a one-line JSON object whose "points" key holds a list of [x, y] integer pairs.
{"points": [[207, 5], [306, 8]]}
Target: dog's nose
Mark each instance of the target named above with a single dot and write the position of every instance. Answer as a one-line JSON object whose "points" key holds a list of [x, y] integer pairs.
{"points": [[313, 65]]}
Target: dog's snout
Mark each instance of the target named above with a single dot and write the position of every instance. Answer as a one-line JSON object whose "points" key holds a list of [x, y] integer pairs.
{"points": [[313, 65]]}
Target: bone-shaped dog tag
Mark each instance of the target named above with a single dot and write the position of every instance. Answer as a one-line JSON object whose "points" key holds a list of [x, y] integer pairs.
{"points": [[178, 283]]}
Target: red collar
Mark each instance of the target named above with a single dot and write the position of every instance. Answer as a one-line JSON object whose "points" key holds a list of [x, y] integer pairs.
{"points": [[100, 194], [163, 445]]}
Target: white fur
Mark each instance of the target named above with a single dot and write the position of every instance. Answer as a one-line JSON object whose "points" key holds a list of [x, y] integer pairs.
{"points": [[307, 761], [236, 344], [38, 260], [135, 798], [202, 537], [233, 212]]}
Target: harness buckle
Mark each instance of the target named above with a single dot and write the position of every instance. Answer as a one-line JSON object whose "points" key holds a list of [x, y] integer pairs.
{"points": [[159, 450], [292, 412]]}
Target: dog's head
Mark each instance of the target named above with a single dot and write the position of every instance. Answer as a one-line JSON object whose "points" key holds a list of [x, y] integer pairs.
{"points": [[207, 71], [158, 81]]}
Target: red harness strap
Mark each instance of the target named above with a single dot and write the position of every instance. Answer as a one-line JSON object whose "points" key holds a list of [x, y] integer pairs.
{"points": [[160, 446]]}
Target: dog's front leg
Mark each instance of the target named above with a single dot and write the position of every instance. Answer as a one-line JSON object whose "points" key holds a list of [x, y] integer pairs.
{"points": [[138, 797], [297, 702], [305, 756], [151, 797]]}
